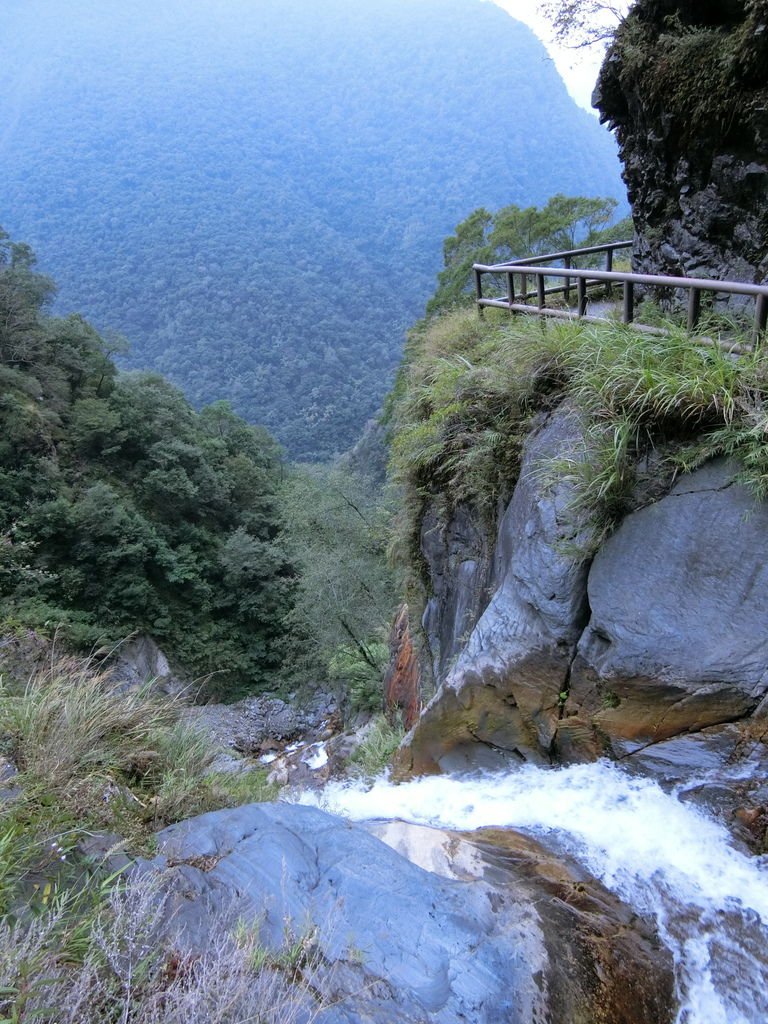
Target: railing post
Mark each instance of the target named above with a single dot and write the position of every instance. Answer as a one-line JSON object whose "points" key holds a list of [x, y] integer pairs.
{"points": [[761, 319], [523, 288], [629, 302], [541, 289], [510, 290], [694, 308], [567, 281], [479, 292], [609, 268], [581, 292]]}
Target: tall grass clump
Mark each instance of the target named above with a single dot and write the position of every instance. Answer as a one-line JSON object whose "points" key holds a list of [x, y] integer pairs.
{"points": [[132, 965], [93, 755], [69, 722], [458, 408], [77, 942], [469, 388], [377, 747]]}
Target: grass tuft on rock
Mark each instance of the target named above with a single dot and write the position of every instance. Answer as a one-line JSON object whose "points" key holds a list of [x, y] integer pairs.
{"points": [[469, 388], [92, 756], [375, 752], [96, 758]]}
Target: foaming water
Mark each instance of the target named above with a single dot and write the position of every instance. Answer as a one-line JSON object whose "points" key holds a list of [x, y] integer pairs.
{"points": [[661, 856]]}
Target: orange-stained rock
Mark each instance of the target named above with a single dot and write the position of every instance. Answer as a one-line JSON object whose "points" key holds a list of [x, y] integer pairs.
{"points": [[402, 683]]}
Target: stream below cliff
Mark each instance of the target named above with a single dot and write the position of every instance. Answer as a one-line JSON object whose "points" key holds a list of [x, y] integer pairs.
{"points": [[661, 855]]}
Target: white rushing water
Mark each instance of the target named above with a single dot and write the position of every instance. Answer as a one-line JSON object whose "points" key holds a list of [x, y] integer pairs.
{"points": [[661, 856]]}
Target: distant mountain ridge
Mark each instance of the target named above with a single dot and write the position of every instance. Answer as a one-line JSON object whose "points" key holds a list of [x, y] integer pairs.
{"points": [[256, 194]]}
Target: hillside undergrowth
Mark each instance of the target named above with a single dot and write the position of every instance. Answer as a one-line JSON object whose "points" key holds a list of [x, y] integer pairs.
{"points": [[92, 755]]}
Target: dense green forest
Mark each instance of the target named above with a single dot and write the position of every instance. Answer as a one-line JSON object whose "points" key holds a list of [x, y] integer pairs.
{"points": [[337, 527], [122, 508], [255, 194]]}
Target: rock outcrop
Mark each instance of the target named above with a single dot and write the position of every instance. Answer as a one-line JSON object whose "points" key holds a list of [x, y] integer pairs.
{"points": [[685, 87], [664, 632], [507, 687], [487, 930], [678, 632], [459, 554], [139, 662]]}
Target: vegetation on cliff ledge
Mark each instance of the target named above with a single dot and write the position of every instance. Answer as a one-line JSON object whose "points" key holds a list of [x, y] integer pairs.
{"points": [[470, 389], [702, 65]]}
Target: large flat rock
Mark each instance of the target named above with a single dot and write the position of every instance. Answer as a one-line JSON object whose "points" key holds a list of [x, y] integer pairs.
{"points": [[496, 931]]}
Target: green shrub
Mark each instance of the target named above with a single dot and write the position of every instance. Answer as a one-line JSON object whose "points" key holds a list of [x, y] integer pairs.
{"points": [[375, 752], [360, 669]]}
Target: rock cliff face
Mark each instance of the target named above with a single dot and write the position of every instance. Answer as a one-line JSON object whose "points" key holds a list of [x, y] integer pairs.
{"points": [[685, 86], [459, 554], [663, 632], [504, 691]]}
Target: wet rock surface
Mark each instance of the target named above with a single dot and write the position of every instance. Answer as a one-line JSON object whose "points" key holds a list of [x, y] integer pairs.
{"points": [[487, 929], [722, 769], [593, 942], [664, 633]]}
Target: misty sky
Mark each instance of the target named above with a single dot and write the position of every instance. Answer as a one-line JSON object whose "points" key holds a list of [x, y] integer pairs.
{"points": [[578, 67]]}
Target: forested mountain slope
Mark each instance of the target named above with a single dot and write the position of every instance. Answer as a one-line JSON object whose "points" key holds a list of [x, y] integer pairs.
{"points": [[256, 193], [122, 509]]}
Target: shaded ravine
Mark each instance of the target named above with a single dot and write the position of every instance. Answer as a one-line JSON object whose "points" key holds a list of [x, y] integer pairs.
{"points": [[657, 853]]}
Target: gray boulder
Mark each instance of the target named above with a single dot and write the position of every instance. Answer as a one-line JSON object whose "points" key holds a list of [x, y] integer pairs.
{"points": [[484, 933], [678, 634], [665, 632], [140, 661], [504, 691]]}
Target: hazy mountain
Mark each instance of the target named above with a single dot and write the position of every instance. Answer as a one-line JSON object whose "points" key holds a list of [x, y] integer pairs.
{"points": [[256, 192]]}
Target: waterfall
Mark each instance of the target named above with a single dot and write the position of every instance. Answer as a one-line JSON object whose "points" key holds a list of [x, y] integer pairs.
{"points": [[659, 854]]}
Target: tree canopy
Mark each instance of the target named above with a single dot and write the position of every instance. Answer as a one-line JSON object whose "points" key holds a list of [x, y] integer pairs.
{"points": [[564, 222], [584, 22], [255, 193], [122, 508]]}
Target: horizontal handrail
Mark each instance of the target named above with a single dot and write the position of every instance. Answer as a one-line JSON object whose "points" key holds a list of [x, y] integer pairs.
{"points": [[563, 314], [588, 250], [615, 276], [531, 267]]}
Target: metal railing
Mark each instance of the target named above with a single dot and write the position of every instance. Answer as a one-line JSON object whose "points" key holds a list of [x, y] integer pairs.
{"points": [[586, 277]]}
